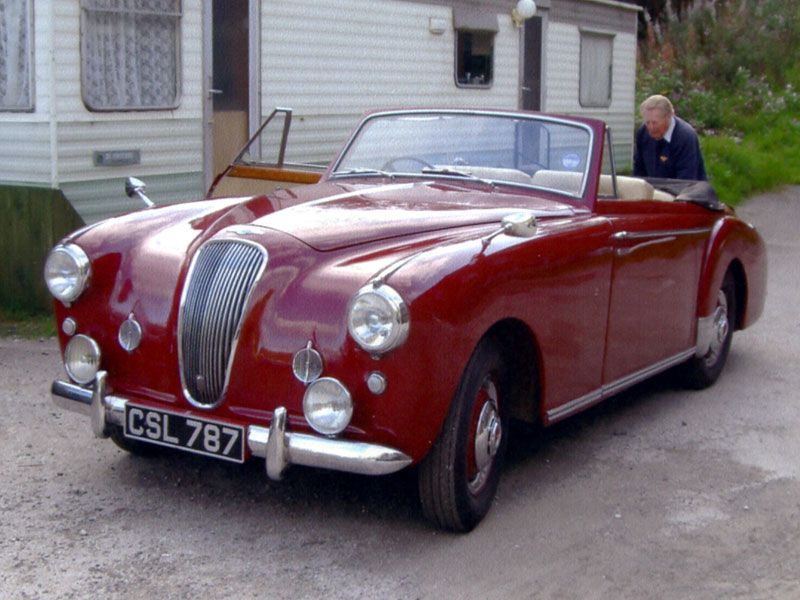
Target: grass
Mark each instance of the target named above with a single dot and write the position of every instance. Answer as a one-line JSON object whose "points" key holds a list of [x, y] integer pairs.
{"points": [[18, 323], [764, 156]]}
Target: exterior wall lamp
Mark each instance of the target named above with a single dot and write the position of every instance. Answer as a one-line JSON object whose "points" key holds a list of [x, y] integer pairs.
{"points": [[523, 11]]}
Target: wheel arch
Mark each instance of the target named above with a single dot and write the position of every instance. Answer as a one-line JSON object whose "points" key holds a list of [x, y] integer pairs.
{"points": [[738, 248], [520, 350], [740, 281]]}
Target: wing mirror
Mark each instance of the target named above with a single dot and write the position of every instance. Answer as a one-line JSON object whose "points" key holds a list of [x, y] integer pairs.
{"points": [[520, 224], [135, 187]]}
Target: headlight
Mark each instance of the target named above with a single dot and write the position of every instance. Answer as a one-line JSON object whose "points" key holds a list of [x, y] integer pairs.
{"points": [[327, 406], [82, 359], [66, 272], [378, 319]]}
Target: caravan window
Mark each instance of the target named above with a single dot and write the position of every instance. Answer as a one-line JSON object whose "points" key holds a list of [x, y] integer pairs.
{"points": [[16, 55], [474, 58], [597, 54], [130, 54]]}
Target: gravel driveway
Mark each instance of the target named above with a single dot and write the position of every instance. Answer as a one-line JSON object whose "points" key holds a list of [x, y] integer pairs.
{"points": [[658, 493]]}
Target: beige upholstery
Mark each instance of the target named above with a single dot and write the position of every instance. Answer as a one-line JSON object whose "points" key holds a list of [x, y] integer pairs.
{"points": [[564, 181], [663, 196], [628, 188], [632, 188]]}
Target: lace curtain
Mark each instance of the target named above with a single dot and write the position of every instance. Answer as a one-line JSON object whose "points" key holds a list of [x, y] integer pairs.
{"points": [[597, 55], [130, 54], [15, 55]]}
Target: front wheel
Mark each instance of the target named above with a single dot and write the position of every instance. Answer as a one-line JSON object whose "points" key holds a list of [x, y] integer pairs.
{"points": [[700, 372], [458, 479]]}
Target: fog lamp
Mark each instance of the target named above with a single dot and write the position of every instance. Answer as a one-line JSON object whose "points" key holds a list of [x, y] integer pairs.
{"points": [[328, 406], [82, 359]]}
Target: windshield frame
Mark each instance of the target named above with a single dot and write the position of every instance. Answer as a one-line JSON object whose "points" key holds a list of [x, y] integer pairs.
{"points": [[591, 159]]}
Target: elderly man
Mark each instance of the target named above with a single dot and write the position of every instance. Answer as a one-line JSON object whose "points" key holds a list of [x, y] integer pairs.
{"points": [[666, 146]]}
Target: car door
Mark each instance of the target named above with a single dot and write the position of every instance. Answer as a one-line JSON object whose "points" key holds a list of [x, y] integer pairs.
{"points": [[658, 250]]}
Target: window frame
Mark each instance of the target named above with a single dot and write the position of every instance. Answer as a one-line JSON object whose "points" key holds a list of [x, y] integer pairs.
{"points": [[178, 16], [596, 34], [457, 63], [31, 105]]}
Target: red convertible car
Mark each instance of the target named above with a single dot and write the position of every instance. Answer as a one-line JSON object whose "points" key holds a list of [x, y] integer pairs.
{"points": [[452, 270]]}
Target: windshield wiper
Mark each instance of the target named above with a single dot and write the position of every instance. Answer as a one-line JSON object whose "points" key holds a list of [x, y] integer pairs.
{"points": [[456, 173], [364, 171]]}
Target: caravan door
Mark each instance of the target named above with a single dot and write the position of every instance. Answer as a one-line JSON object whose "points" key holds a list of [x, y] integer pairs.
{"points": [[231, 109]]}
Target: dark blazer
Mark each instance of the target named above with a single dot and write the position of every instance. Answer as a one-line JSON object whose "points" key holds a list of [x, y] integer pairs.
{"points": [[678, 159]]}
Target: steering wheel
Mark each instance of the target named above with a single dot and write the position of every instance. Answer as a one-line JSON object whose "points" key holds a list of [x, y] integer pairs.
{"points": [[389, 165]]}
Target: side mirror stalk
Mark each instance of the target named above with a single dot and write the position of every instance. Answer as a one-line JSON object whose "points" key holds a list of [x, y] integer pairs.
{"points": [[136, 187]]}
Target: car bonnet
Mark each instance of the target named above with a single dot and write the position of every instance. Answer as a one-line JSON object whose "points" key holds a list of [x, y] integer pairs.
{"points": [[368, 213]]}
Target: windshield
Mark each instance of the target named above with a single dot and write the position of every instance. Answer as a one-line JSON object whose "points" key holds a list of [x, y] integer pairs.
{"points": [[511, 149]]}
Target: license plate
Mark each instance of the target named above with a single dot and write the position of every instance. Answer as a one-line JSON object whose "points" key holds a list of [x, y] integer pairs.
{"points": [[189, 433]]}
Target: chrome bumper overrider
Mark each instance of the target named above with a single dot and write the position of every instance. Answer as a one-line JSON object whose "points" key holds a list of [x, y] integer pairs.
{"points": [[279, 448]]}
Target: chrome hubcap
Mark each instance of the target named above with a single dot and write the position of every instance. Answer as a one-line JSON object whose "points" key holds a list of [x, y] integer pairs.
{"points": [[488, 435], [721, 328]]}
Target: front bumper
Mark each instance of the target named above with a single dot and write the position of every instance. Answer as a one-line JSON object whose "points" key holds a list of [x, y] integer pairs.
{"points": [[279, 448]]}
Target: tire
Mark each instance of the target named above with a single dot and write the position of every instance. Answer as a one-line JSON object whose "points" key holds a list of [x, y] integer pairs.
{"points": [[458, 478], [702, 372], [134, 447]]}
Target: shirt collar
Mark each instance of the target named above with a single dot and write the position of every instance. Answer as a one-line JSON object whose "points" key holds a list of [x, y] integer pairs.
{"points": [[670, 129]]}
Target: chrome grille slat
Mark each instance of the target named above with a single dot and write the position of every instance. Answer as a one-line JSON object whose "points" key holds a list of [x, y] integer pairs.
{"points": [[220, 280]]}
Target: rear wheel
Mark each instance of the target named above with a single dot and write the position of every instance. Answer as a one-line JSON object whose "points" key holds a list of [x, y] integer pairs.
{"points": [[700, 372], [458, 479]]}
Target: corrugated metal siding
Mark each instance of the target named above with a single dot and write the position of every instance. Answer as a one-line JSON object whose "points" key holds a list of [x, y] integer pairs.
{"points": [[166, 146], [169, 141], [358, 55], [25, 152], [563, 80], [96, 200]]}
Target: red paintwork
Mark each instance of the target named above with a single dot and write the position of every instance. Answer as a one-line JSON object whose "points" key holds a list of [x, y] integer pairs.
{"points": [[593, 314]]}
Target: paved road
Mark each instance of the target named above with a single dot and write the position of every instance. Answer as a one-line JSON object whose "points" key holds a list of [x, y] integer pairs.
{"points": [[659, 493]]}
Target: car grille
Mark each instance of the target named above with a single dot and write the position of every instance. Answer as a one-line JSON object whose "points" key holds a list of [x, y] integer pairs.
{"points": [[220, 280]]}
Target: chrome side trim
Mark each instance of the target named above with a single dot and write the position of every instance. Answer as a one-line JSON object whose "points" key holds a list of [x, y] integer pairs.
{"points": [[634, 378], [632, 249], [574, 406], [638, 235], [653, 237], [615, 387], [279, 447]]}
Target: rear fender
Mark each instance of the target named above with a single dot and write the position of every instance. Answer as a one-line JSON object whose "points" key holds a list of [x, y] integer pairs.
{"points": [[737, 244]]}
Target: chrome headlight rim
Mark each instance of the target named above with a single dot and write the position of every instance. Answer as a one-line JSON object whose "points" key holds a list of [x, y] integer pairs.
{"points": [[89, 368], [68, 280], [396, 313], [337, 393]]}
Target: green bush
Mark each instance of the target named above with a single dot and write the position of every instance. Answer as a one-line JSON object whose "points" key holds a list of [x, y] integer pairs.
{"points": [[733, 71]]}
